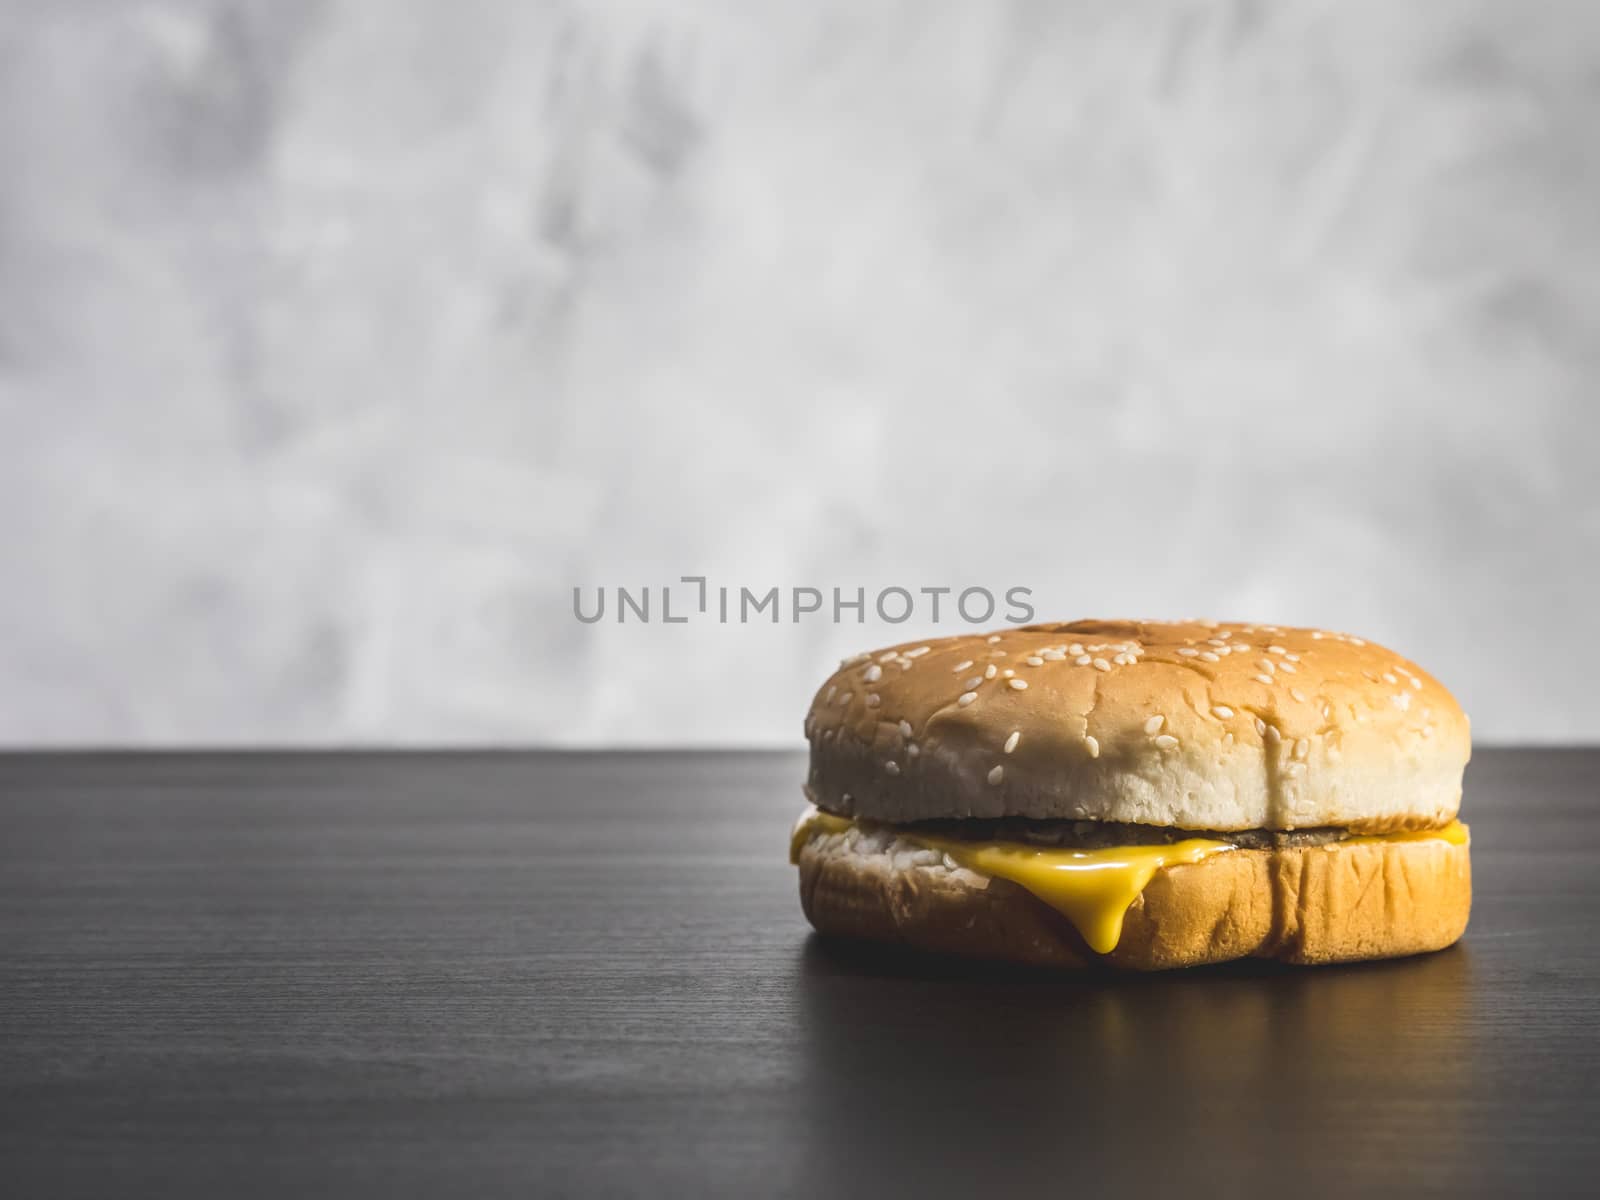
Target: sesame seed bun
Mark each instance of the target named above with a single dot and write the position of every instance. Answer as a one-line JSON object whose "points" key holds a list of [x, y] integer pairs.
{"points": [[1191, 725], [1322, 904]]}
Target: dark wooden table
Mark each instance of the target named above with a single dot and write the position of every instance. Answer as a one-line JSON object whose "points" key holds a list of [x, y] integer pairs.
{"points": [[226, 975]]}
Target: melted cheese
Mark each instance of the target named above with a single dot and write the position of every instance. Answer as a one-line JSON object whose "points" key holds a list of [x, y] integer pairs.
{"points": [[1092, 888], [1455, 833]]}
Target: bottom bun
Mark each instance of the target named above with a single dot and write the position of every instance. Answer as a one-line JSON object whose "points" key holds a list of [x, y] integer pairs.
{"points": [[1321, 904]]}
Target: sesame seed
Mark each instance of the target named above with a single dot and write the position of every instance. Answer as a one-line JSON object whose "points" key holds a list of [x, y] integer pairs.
{"points": [[1241, 647], [1020, 685], [1054, 655], [1416, 683], [872, 700], [990, 671], [905, 729], [1011, 742], [966, 698], [892, 767], [1266, 679], [1007, 673], [918, 652], [1389, 677], [832, 688], [1075, 648], [972, 683], [1101, 664], [874, 673], [1207, 656], [1227, 738], [1222, 711], [1268, 665], [1166, 741], [1292, 657], [1276, 650], [1034, 661], [1153, 725], [1093, 744], [1355, 641], [889, 656], [1082, 660], [1298, 695], [1288, 666], [1301, 747], [912, 750], [1188, 651], [960, 666], [1215, 642], [1272, 733], [996, 774], [1261, 727], [993, 638], [845, 699]]}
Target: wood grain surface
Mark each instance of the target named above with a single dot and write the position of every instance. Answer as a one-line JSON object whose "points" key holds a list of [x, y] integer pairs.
{"points": [[557, 974]]}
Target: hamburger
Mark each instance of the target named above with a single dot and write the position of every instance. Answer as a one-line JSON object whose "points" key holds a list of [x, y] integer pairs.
{"points": [[1137, 794]]}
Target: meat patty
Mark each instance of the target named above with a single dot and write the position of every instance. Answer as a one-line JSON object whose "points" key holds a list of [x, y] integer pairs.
{"points": [[1099, 835]]}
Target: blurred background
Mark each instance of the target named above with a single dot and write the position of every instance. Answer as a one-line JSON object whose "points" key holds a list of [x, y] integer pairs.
{"points": [[340, 341]]}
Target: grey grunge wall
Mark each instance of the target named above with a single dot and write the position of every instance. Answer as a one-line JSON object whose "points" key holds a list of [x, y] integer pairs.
{"points": [[340, 341]]}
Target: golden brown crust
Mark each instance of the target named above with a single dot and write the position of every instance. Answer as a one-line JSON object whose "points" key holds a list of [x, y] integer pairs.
{"points": [[1336, 903], [1195, 725]]}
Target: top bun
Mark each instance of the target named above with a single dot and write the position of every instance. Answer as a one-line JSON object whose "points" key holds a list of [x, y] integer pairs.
{"points": [[1191, 725]]}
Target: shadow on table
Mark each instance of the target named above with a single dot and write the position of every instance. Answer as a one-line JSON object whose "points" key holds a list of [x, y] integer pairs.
{"points": [[947, 1075]]}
